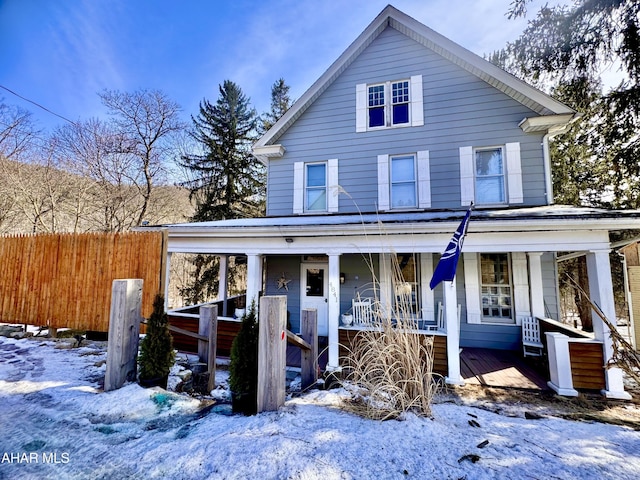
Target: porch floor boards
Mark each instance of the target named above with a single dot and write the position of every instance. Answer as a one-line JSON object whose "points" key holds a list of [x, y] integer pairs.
{"points": [[499, 368]]}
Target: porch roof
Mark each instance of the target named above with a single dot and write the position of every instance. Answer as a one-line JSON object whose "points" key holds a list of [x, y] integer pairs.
{"points": [[542, 218]]}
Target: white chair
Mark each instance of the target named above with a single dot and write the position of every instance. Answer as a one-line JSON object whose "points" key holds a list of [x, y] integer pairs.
{"points": [[531, 342], [362, 313], [442, 326]]}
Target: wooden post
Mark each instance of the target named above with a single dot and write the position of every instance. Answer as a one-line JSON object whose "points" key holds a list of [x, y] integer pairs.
{"points": [[208, 327], [308, 358], [272, 352], [124, 333]]}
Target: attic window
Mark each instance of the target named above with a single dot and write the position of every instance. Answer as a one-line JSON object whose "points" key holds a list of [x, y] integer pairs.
{"points": [[390, 104]]}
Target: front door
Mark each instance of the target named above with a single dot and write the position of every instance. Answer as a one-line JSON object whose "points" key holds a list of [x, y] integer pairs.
{"points": [[315, 284]]}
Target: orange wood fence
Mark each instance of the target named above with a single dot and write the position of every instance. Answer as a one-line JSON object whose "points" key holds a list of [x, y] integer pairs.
{"points": [[64, 280]]}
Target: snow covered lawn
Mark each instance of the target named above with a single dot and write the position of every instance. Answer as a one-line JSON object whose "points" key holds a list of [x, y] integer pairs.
{"points": [[55, 422]]}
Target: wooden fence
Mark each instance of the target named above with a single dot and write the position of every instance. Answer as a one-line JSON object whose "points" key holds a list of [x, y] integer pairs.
{"points": [[64, 280]]}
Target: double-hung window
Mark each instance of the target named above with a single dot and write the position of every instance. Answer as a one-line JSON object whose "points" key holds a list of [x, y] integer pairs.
{"points": [[403, 181], [315, 189], [396, 103], [490, 184], [496, 289], [491, 175], [388, 104]]}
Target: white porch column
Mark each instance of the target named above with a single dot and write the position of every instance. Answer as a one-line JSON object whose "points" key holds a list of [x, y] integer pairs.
{"points": [[223, 276], [167, 276], [601, 291], [560, 364], [254, 279], [333, 311], [536, 285], [453, 332]]}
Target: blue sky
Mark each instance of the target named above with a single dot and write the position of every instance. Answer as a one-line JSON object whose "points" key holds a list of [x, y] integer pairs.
{"points": [[60, 53]]}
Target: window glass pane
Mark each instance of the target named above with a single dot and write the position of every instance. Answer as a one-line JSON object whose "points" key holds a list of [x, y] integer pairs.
{"points": [[490, 190], [316, 175], [376, 117], [405, 286], [402, 169], [489, 162], [376, 95], [315, 282], [400, 114], [496, 288], [400, 92], [403, 195], [316, 199], [403, 184], [490, 176]]}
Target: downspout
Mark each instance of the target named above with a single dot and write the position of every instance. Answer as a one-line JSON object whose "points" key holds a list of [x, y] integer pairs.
{"points": [[548, 181]]}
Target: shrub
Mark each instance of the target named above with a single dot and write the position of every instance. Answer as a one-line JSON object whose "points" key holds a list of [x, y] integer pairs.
{"points": [[243, 369], [156, 349]]}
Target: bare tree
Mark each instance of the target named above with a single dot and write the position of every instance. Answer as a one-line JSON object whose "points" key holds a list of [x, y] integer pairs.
{"points": [[146, 122], [17, 130]]}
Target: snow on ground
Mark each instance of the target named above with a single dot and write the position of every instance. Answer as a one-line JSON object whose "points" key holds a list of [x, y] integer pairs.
{"points": [[55, 422]]}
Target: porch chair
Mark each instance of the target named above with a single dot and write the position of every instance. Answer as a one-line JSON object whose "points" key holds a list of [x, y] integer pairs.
{"points": [[362, 313], [531, 342], [441, 323]]}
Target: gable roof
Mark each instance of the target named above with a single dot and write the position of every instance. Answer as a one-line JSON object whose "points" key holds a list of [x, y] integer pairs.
{"points": [[537, 101]]}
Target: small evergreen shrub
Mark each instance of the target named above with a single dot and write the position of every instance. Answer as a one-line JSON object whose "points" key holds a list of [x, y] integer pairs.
{"points": [[156, 349], [243, 369]]}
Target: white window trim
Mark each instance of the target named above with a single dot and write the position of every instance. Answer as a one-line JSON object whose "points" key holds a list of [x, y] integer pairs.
{"points": [[512, 166], [423, 181], [416, 105], [299, 187], [504, 171]]}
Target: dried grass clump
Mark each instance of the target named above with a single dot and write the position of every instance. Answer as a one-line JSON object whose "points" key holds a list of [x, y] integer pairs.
{"points": [[390, 366]]}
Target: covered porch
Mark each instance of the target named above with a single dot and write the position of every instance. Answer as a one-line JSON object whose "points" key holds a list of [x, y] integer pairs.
{"points": [[329, 262]]}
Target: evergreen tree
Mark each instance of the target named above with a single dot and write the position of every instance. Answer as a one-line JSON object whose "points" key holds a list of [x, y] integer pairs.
{"points": [[226, 180], [280, 103], [596, 162], [243, 369], [570, 47], [156, 349]]}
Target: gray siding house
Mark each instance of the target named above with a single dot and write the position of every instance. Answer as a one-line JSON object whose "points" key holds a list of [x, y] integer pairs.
{"points": [[376, 165]]}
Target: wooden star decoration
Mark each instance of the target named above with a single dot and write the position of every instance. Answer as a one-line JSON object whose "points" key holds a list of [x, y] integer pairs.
{"points": [[283, 282]]}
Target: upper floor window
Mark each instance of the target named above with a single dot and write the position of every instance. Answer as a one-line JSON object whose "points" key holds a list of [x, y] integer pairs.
{"points": [[490, 183], [491, 175], [315, 197], [389, 104], [403, 181], [315, 187]]}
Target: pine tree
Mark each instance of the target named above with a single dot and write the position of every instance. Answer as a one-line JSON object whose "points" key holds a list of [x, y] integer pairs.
{"points": [[156, 349], [280, 103], [243, 369], [227, 181]]}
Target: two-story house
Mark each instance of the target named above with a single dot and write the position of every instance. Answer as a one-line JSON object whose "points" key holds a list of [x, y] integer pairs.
{"points": [[376, 165]]}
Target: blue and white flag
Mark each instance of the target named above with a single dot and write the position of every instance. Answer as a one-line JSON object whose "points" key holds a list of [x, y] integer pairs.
{"points": [[446, 268]]}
